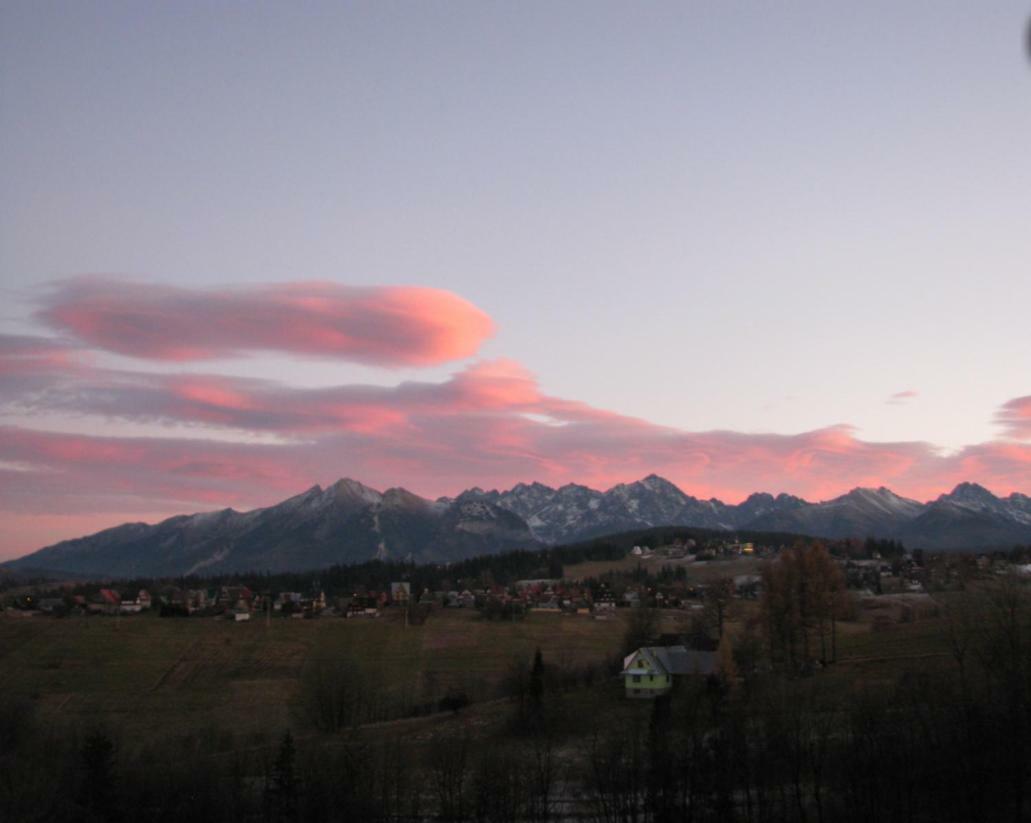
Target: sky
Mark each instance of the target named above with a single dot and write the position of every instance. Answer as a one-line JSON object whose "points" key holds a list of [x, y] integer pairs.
{"points": [[245, 248]]}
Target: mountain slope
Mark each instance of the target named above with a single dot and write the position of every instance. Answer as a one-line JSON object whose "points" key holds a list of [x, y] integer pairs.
{"points": [[349, 522], [860, 513], [344, 523], [971, 515]]}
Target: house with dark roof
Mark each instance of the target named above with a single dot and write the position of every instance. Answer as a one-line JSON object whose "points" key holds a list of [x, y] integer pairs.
{"points": [[649, 671]]}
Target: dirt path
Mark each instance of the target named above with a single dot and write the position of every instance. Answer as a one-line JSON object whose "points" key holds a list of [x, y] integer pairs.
{"points": [[178, 661]]}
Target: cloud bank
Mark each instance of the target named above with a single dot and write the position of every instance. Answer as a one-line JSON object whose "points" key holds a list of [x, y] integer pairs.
{"points": [[489, 424], [216, 440], [389, 326]]}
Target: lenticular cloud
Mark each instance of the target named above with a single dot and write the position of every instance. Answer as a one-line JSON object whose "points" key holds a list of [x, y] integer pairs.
{"points": [[382, 326]]}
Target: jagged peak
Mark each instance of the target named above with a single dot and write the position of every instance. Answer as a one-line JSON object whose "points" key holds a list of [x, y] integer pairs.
{"points": [[657, 480], [576, 487], [346, 487], [534, 486], [652, 482], [970, 491], [350, 484], [872, 493], [397, 496], [865, 491]]}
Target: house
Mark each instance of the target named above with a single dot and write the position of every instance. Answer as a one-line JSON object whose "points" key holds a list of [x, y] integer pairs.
{"points": [[106, 601], [231, 597], [110, 597], [649, 671], [748, 585], [197, 600], [537, 585], [400, 593], [290, 600], [52, 605]]}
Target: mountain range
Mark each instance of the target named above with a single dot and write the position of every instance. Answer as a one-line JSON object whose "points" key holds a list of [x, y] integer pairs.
{"points": [[350, 522]]}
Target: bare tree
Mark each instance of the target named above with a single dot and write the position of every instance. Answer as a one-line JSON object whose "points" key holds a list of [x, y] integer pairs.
{"points": [[334, 693], [718, 599], [449, 773]]}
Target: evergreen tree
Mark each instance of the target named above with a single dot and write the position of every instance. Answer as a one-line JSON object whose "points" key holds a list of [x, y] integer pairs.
{"points": [[536, 692], [281, 792], [97, 795]]}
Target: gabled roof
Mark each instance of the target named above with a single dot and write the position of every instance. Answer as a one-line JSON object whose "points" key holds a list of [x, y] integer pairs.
{"points": [[110, 596], [675, 660]]}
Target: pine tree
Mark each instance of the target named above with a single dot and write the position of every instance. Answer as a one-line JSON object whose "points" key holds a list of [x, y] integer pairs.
{"points": [[97, 796], [281, 792], [536, 692]]}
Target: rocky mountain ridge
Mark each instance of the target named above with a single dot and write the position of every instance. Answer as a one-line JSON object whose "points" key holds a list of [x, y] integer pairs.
{"points": [[349, 522], [970, 516]]}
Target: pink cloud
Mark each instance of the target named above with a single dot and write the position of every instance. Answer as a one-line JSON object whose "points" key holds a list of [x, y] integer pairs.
{"points": [[1015, 417], [487, 387], [22, 355], [387, 326], [488, 425], [434, 454]]}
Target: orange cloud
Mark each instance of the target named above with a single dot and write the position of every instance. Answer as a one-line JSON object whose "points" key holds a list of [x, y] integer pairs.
{"points": [[386, 326]]}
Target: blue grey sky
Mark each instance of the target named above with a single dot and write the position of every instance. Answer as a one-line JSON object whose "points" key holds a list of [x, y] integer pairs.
{"points": [[710, 215]]}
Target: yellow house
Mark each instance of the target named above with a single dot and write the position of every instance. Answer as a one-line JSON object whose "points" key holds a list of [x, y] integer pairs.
{"points": [[649, 671]]}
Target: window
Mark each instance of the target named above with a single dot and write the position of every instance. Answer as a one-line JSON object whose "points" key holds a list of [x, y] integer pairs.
{"points": [[637, 678]]}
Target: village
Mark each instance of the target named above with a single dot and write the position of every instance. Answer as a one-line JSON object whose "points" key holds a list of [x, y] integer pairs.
{"points": [[653, 578], [676, 576]]}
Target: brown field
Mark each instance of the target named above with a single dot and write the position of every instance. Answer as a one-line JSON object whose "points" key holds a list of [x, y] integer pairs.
{"points": [[151, 678], [147, 675]]}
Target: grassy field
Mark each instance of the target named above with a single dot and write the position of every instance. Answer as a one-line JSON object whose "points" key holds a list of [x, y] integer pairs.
{"points": [[151, 676]]}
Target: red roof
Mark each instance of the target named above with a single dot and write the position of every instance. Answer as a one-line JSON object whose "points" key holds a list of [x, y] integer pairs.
{"points": [[111, 596]]}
